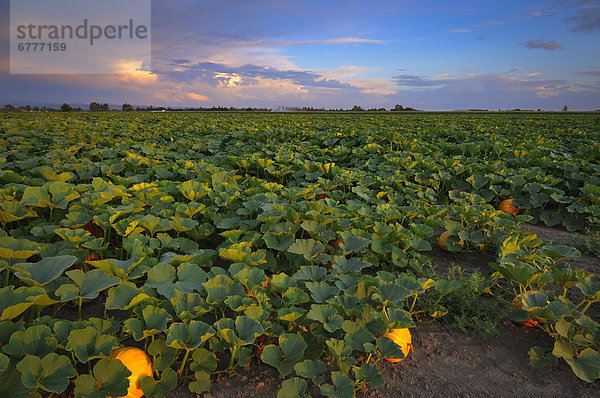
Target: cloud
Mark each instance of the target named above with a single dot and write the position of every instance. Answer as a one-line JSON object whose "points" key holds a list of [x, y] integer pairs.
{"points": [[133, 70], [591, 72], [530, 75], [198, 97], [586, 19], [544, 45], [494, 91], [417, 81], [221, 75], [343, 72], [458, 30], [338, 40], [542, 12], [474, 82]]}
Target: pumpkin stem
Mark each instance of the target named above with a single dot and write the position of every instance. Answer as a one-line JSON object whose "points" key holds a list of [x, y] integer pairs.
{"points": [[185, 358], [233, 350]]}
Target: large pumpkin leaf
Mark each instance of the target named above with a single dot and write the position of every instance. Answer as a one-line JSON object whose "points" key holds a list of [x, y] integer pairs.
{"points": [[35, 340], [285, 356], [109, 379], [13, 302], [50, 373], [44, 271]]}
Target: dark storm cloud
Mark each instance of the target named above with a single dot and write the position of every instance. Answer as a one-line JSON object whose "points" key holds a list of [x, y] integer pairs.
{"points": [[214, 73]]}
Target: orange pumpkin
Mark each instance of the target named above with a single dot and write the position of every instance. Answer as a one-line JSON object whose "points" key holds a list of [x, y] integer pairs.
{"points": [[442, 241], [508, 207], [402, 338], [531, 322], [138, 363]]}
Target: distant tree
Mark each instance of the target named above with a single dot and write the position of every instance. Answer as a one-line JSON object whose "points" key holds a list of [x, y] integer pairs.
{"points": [[127, 108], [9, 107], [357, 108], [104, 107], [397, 108], [66, 107], [94, 107], [565, 108]]}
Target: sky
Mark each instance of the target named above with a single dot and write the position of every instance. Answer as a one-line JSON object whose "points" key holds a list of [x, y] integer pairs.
{"points": [[427, 54]]}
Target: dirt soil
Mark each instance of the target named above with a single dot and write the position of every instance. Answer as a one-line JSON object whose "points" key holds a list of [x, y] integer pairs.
{"points": [[447, 362]]}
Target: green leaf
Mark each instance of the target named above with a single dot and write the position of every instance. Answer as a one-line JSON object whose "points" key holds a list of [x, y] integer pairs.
{"points": [[295, 295], [50, 373], [591, 290], [190, 278], [36, 197], [201, 382], [342, 386], [35, 340], [162, 277], [352, 243], [283, 357], [342, 264], [391, 294], [308, 248], [310, 273], [587, 365], [221, 287], [124, 296], [280, 242], [156, 318], [327, 315], [193, 190], [292, 388], [558, 252], [45, 270], [389, 349], [339, 348], [163, 356], [551, 218], [159, 388], [188, 336], [533, 300], [248, 329], [4, 361], [62, 193], [109, 379], [89, 344], [368, 373], [87, 284], [539, 358], [203, 360], [14, 302], [311, 369], [11, 384], [189, 306], [12, 248], [321, 291], [124, 270], [76, 237]]}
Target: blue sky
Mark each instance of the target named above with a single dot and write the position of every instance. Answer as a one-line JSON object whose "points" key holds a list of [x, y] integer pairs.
{"points": [[431, 55]]}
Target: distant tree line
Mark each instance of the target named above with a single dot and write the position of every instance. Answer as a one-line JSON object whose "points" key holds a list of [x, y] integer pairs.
{"points": [[97, 107]]}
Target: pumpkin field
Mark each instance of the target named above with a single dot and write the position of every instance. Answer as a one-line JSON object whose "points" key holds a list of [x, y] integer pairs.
{"points": [[171, 254]]}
